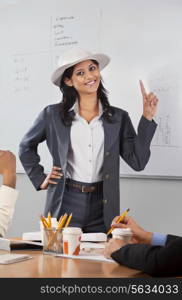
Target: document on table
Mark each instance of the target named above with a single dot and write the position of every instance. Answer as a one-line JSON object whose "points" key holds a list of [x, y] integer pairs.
{"points": [[89, 257], [10, 258]]}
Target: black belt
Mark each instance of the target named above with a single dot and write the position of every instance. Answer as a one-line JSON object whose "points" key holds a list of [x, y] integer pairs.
{"points": [[93, 188]]}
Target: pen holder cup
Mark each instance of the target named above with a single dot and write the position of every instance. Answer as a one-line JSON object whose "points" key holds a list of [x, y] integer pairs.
{"points": [[52, 241], [54, 223]]}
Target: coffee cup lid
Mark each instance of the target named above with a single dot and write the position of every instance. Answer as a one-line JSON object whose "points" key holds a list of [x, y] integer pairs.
{"points": [[122, 231], [72, 230]]}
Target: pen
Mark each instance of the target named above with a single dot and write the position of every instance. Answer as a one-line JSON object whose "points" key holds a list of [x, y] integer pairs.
{"points": [[119, 220]]}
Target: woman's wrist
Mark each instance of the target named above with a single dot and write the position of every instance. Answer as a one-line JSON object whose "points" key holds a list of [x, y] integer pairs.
{"points": [[148, 117]]}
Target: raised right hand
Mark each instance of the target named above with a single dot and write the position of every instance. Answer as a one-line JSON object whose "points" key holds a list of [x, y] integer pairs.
{"points": [[55, 173]]}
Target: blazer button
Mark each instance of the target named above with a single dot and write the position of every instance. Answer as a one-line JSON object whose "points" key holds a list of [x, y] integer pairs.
{"points": [[107, 153], [104, 201], [107, 176]]}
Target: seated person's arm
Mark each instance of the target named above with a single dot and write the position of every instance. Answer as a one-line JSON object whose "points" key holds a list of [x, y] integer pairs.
{"points": [[8, 194], [154, 260]]}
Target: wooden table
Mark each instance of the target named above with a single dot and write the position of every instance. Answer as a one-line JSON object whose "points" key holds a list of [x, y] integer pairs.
{"points": [[48, 266]]}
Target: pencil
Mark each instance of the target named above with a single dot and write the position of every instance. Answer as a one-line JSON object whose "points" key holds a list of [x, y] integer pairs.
{"points": [[68, 221], [60, 219], [119, 220], [49, 220], [60, 225], [44, 222]]}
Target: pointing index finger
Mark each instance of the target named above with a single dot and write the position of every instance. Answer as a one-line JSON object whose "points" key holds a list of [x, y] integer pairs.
{"points": [[144, 93]]}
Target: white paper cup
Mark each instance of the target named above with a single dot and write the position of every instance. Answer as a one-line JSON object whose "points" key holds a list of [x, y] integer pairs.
{"points": [[54, 223], [124, 234], [71, 240]]}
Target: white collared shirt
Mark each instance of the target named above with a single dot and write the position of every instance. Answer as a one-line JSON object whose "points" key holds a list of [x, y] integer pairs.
{"points": [[8, 198], [86, 151]]}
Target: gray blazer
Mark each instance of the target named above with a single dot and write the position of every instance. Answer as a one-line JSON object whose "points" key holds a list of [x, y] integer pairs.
{"points": [[120, 140]]}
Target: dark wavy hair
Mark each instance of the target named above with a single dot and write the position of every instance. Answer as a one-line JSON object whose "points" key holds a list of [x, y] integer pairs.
{"points": [[70, 95]]}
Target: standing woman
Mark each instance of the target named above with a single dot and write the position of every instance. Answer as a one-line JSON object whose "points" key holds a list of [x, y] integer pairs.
{"points": [[86, 136]]}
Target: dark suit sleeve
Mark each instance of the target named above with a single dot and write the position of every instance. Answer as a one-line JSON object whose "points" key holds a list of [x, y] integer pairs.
{"points": [[28, 154], [171, 238], [135, 148], [153, 260]]}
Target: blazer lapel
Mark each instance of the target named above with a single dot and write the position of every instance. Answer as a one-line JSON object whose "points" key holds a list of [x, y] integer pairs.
{"points": [[63, 141], [111, 132]]}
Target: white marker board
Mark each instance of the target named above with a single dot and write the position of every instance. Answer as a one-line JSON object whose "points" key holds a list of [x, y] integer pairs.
{"points": [[143, 39]]}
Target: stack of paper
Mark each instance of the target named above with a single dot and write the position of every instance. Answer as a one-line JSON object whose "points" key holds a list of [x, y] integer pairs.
{"points": [[93, 242], [94, 237], [90, 245], [32, 236]]}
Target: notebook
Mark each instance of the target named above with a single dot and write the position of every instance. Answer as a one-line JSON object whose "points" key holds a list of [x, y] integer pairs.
{"points": [[22, 244]]}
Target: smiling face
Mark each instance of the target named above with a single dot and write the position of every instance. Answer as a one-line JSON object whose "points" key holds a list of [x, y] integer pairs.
{"points": [[85, 78]]}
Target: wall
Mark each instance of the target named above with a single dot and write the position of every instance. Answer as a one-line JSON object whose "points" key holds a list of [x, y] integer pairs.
{"points": [[156, 204], [144, 41]]}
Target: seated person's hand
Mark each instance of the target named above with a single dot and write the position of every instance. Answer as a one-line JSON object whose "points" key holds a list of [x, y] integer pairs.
{"points": [[139, 234], [8, 168], [7, 162], [113, 245]]}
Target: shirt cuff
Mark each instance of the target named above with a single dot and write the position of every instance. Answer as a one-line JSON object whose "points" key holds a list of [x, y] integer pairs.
{"points": [[8, 189], [158, 239], [8, 198]]}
